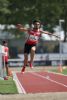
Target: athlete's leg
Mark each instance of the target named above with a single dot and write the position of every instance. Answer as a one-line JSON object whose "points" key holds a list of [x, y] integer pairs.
{"points": [[8, 70], [6, 65], [32, 53], [25, 62], [26, 52], [25, 59]]}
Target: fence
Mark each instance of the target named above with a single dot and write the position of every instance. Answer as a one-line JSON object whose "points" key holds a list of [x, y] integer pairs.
{"points": [[40, 59]]}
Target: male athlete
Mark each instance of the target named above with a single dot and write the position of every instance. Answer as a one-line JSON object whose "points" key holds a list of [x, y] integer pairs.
{"points": [[5, 57], [31, 42]]}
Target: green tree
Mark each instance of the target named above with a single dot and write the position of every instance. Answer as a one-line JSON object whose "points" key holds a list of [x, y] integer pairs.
{"points": [[24, 11], [4, 10]]}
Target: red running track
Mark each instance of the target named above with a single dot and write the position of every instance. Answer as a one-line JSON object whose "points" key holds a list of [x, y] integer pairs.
{"points": [[42, 82]]}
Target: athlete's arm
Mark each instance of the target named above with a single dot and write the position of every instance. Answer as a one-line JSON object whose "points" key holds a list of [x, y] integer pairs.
{"points": [[45, 32], [21, 28]]}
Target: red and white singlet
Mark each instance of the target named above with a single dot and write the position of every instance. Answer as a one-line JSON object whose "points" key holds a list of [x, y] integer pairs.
{"points": [[6, 50], [33, 36]]}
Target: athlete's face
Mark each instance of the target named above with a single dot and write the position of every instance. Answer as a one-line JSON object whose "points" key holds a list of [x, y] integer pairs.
{"points": [[37, 25], [5, 44]]}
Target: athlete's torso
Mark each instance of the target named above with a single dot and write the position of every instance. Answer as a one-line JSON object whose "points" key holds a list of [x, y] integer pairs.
{"points": [[33, 36], [6, 50]]}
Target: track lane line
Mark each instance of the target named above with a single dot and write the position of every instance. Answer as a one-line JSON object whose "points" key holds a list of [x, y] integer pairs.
{"points": [[48, 79], [18, 84]]}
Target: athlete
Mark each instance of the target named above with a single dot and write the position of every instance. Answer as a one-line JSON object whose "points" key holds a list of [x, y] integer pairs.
{"points": [[31, 41], [6, 56]]}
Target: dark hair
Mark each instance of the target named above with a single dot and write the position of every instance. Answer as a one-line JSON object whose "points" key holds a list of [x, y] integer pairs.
{"points": [[36, 21], [4, 41]]}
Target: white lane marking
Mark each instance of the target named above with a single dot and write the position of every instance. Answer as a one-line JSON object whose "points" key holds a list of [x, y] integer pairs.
{"points": [[18, 84], [49, 79]]}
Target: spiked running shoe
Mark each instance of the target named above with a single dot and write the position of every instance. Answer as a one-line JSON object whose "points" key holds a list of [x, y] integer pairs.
{"points": [[5, 78], [31, 66], [23, 69]]}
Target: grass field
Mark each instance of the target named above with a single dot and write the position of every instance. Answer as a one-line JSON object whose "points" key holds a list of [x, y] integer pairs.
{"points": [[8, 87], [64, 70]]}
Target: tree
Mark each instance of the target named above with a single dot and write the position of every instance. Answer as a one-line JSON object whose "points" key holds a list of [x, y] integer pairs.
{"points": [[4, 10], [24, 11]]}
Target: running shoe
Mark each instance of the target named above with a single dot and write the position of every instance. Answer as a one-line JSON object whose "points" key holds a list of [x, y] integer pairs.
{"points": [[23, 69], [31, 66], [5, 78]]}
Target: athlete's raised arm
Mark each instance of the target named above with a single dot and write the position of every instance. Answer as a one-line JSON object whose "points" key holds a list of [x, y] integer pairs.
{"points": [[21, 28], [46, 32]]}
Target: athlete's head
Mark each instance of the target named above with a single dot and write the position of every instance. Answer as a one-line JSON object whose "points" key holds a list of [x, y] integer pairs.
{"points": [[37, 24], [4, 42]]}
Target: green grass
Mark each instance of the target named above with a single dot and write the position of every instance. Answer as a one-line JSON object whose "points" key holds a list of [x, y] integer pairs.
{"points": [[8, 87], [64, 71]]}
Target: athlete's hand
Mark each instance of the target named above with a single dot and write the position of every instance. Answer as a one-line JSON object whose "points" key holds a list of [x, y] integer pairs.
{"points": [[21, 28], [18, 25]]}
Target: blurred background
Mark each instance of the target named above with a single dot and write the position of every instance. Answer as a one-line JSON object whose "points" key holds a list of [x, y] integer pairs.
{"points": [[53, 16]]}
